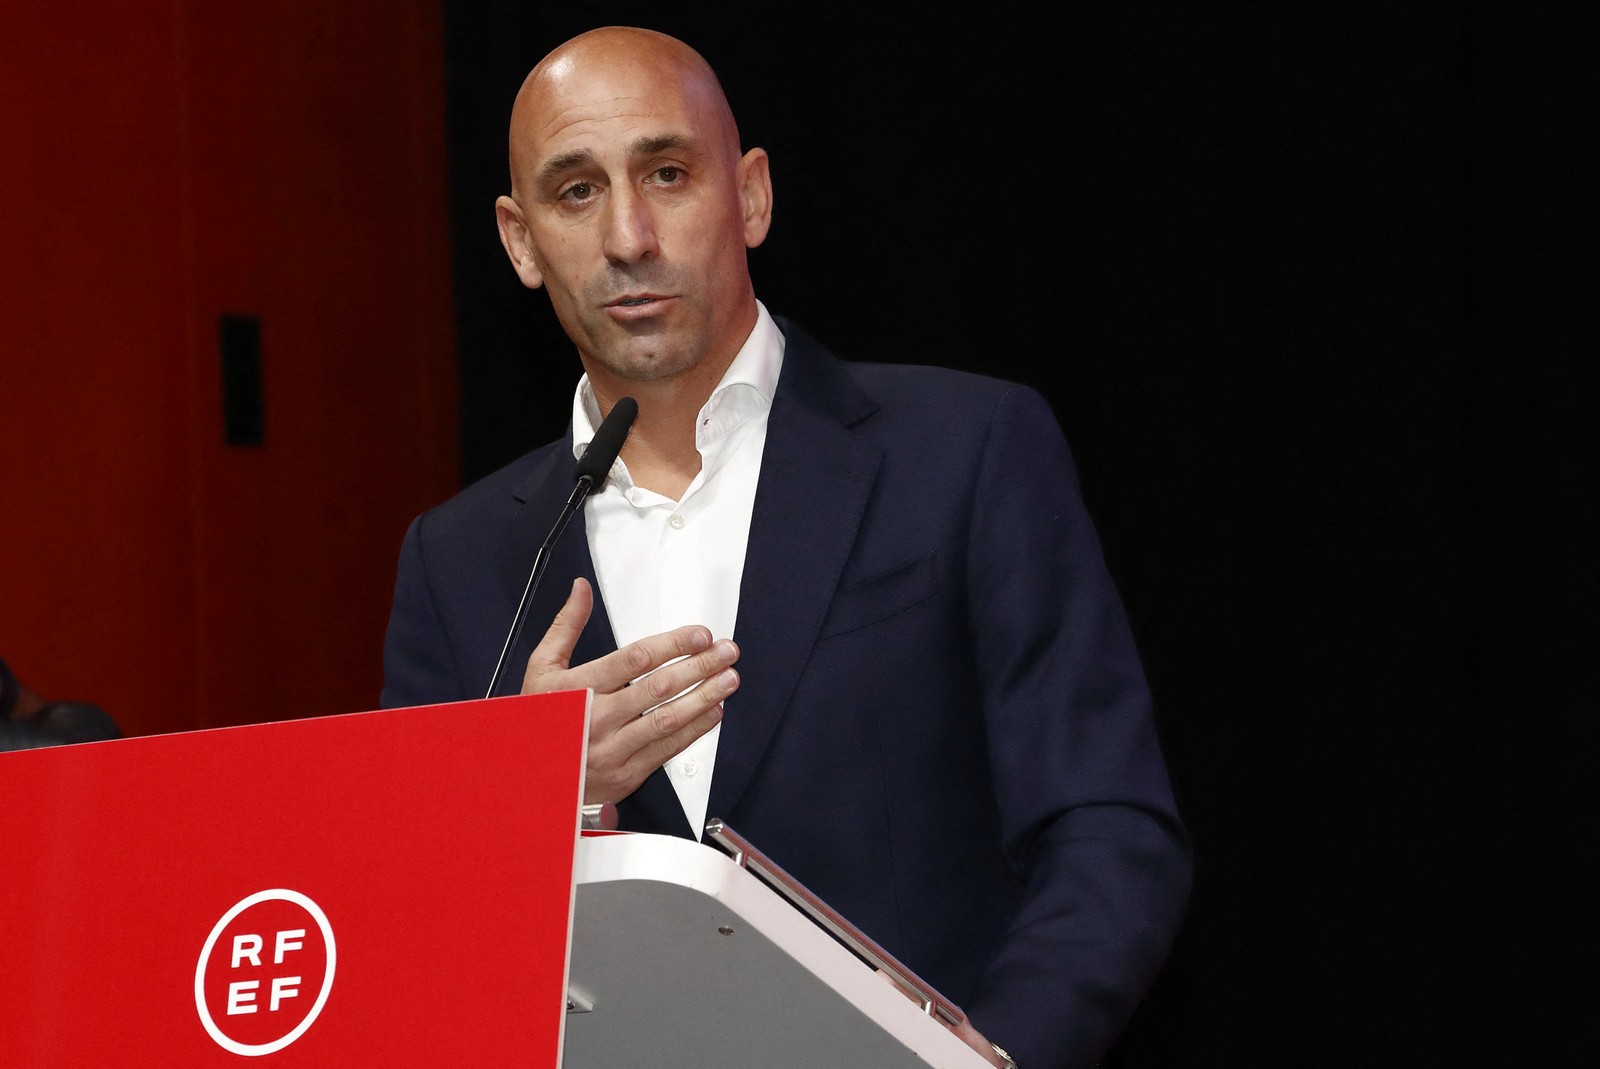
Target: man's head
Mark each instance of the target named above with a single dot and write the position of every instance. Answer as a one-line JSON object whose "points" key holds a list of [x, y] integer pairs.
{"points": [[633, 207]]}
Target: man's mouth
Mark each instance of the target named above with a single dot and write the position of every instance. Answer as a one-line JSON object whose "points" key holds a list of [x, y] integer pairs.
{"points": [[638, 307]]}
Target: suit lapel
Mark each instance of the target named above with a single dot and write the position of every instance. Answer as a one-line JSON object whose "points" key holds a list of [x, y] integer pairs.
{"points": [[816, 476], [543, 495]]}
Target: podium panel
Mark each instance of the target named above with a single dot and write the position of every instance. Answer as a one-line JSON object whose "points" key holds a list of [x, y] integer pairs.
{"points": [[387, 888]]}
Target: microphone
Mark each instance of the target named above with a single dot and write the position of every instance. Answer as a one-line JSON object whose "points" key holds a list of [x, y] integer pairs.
{"points": [[589, 474], [595, 464]]}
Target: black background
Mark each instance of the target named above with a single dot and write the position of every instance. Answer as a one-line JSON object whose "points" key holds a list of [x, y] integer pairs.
{"points": [[1303, 287]]}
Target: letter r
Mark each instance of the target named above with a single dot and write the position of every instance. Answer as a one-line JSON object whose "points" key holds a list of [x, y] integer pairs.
{"points": [[246, 946]]}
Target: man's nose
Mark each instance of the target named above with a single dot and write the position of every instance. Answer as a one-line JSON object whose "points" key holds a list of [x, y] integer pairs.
{"points": [[630, 227]]}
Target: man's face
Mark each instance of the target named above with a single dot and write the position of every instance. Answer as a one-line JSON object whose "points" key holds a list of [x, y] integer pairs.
{"points": [[628, 181]]}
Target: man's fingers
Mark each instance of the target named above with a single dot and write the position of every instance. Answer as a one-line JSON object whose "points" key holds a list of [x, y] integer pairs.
{"points": [[677, 676], [621, 758], [640, 658], [619, 705], [668, 722], [642, 661], [673, 728], [680, 679], [553, 654]]}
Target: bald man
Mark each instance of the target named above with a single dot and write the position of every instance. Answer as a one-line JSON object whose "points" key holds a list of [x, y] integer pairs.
{"points": [[857, 611]]}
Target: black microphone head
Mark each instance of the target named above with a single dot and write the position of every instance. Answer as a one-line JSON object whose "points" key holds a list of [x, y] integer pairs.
{"points": [[595, 464]]}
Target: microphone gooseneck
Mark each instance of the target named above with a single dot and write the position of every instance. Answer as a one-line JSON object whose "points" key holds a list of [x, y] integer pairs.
{"points": [[589, 474]]}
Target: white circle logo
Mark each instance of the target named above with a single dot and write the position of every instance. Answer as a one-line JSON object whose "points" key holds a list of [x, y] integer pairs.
{"points": [[254, 981]]}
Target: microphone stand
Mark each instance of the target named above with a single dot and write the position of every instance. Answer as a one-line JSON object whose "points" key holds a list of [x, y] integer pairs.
{"points": [[592, 469], [540, 561]]}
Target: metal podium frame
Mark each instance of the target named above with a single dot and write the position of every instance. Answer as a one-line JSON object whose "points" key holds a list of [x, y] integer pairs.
{"points": [[682, 957]]}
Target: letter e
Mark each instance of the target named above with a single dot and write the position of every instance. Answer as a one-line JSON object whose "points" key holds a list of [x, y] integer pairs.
{"points": [[241, 992]]}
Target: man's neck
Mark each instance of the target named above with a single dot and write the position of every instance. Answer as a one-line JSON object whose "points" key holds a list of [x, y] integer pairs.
{"points": [[660, 450]]}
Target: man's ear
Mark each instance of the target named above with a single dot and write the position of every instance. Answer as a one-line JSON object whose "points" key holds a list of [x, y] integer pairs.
{"points": [[755, 195], [514, 236]]}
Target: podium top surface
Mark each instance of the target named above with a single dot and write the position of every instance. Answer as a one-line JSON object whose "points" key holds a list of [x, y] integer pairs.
{"points": [[682, 958]]}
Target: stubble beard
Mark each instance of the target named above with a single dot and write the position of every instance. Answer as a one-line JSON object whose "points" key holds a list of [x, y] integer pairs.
{"points": [[647, 360], [650, 351]]}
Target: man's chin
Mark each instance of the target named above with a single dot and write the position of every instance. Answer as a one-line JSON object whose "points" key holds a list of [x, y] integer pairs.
{"points": [[646, 364]]}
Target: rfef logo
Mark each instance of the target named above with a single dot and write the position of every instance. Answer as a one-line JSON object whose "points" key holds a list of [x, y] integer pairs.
{"points": [[265, 972]]}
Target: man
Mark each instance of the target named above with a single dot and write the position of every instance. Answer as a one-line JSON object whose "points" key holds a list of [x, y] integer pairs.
{"points": [[29, 722], [934, 716]]}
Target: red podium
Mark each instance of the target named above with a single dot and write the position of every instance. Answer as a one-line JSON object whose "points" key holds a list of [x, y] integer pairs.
{"points": [[409, 888]]}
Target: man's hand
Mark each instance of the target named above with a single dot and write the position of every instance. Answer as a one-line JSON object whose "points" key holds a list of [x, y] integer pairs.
{"points": [[625, 744]]}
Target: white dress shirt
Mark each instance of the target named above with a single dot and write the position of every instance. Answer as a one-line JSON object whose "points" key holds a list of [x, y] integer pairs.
{"points": [[662, 564]]}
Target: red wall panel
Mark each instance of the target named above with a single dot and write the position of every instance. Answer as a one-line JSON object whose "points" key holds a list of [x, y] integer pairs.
{"points": [[169, 163]]}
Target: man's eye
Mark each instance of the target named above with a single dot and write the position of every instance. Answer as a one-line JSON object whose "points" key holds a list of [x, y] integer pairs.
{"points": [[578, 191], [669, 174]]}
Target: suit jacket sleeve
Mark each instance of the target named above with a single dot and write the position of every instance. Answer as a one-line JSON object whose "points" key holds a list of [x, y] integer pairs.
{"points": [[1087, 813], [418, 666]]}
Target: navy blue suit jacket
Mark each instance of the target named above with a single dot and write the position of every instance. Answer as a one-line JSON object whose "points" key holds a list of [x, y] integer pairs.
{"points": [[942, 726]]}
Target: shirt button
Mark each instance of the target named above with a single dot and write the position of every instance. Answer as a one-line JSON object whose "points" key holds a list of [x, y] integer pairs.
{"points": [[676, 521], [690, 766]]}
